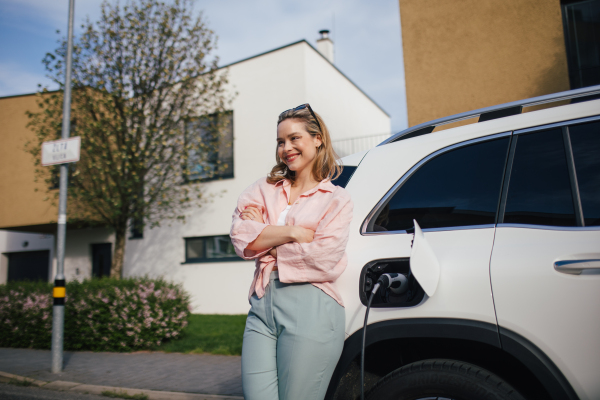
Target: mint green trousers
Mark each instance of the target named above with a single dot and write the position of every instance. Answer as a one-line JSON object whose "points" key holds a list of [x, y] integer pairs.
{"points": [[293, 339]]}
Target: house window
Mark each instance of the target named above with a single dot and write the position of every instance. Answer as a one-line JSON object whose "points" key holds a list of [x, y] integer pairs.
{"points": [[211, 141], [581, 22], [210, 249], [136, 229]]}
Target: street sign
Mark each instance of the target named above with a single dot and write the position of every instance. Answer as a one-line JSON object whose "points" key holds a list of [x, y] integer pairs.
{"points": [[61, 151]]}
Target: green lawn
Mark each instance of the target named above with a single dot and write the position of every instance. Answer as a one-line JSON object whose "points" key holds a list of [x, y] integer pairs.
{"points": [[215, 334]]}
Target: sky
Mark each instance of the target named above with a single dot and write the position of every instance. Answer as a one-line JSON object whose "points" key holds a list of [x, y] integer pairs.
{"points": [[366, 36]]}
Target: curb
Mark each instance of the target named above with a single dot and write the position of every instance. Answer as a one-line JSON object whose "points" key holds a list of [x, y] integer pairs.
{"points": [[5, 377]]}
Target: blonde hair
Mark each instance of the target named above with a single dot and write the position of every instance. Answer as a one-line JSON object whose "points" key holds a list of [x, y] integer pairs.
{"points": [[326, 165]]}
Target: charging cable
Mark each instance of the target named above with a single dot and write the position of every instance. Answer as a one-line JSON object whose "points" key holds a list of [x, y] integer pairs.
{"points": [[362, 353], [385, 281]]}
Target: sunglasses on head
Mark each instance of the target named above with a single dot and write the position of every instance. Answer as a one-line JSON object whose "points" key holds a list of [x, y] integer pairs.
{"points": [[302, 107]]}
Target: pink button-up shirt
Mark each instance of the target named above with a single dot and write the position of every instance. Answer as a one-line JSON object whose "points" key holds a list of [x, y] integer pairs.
{"points": [[326, 209]]}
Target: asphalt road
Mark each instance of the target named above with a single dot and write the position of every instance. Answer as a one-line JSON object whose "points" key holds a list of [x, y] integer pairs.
{"points": [[13, 392]]}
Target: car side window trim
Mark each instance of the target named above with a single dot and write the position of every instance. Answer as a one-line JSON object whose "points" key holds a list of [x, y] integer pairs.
{"points": [[549, 227], [506, 181], [573, 177], [556, 125], [447, 228], [367, 223]]}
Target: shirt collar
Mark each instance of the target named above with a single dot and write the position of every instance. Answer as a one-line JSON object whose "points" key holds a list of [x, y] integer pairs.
{"points": [[325, 185]]}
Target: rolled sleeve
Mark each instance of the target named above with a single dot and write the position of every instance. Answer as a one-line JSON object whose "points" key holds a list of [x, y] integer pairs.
{"points": [[244, 232], [323, 259]]}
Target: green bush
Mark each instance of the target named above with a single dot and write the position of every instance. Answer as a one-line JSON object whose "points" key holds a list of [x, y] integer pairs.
{"points": [[100, 314]]}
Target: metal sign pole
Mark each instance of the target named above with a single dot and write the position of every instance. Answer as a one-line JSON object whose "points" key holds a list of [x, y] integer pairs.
{"points": [[58, 310]]}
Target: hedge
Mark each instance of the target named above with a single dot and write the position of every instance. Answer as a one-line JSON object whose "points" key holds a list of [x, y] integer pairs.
{"points": [[100, 314]]}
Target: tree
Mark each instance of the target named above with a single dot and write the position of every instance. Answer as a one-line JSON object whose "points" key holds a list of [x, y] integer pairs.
{"points": [[143, 75]]}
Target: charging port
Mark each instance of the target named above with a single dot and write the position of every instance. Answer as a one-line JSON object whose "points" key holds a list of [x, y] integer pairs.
{"points": [[409, 293]]}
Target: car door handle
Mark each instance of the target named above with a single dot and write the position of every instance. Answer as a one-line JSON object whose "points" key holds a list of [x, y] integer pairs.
{"points": [[576, 267]]}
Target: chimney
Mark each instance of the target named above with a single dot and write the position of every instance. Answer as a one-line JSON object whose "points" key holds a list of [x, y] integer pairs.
{"points": [[325, 45]]}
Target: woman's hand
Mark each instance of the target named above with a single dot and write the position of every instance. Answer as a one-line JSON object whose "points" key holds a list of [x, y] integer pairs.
{"points": [[253, 214], [273, 252], [303, 235]]}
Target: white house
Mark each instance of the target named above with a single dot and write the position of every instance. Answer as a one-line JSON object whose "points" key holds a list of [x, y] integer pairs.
{"points": [[197, 253]]}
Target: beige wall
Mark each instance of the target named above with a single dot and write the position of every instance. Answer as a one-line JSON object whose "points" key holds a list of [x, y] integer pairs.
{"points": [[20, 204], [462, 55]]}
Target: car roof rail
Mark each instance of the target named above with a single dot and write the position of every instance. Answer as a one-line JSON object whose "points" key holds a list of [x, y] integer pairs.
{"points": [[493, 112]]}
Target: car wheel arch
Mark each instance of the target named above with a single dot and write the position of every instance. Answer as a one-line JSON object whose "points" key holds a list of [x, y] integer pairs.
{"points": [[480, 335]]}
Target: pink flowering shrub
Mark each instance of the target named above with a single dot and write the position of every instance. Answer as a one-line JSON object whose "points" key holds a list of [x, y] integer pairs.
{"points": [[100, 314], [26, 315]]}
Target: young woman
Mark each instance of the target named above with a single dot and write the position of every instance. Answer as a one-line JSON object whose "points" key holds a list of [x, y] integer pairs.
{"points": [[295, 224]]}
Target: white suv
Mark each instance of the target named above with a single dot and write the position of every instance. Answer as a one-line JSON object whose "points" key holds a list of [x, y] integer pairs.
{"points": [[510, 206]]}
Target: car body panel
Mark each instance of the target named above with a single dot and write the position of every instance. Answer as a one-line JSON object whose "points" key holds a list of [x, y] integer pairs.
{"points": [[556, 311]]}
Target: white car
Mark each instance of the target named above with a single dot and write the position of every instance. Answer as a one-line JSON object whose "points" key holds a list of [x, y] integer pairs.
{"points": [[510, 208]]}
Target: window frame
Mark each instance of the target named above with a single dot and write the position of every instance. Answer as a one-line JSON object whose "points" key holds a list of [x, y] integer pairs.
{"points": [[221, 176], [206, 260], [390, 193], [564, 125]]}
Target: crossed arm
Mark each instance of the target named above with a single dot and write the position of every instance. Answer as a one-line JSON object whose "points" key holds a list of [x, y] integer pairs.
{"points": [[273, 235]]}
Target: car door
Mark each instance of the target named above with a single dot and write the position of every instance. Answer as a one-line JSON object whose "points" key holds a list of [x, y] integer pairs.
{"points": [[546, 257]]}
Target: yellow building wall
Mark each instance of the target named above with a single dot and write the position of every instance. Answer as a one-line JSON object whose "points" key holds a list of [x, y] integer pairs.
{"points": [[460, 55], [20, 204]]}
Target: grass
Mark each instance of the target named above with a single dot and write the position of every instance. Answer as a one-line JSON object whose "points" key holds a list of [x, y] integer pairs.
{"points": [[215, 334], [124, 395], [19, 382]]}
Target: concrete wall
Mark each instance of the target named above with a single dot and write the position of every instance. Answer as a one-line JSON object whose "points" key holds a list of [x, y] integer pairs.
{"points": [[14, 242], [20, 204], [348, 112], [462, 55]]}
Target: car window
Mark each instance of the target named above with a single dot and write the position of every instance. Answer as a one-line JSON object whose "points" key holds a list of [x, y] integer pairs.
{"points": [[539, 192], [585, 142], [460, 187], [345, 176]]}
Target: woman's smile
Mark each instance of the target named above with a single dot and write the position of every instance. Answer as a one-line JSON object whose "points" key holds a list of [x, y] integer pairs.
{"points": [[291, 157]]}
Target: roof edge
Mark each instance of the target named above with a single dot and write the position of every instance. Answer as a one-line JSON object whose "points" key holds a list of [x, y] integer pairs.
{"points": [[264, 53], [26, 94], [322, 56], [260, 55]]}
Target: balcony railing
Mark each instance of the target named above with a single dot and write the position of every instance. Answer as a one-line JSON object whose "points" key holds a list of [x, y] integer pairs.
{"points": [[345, 147]]}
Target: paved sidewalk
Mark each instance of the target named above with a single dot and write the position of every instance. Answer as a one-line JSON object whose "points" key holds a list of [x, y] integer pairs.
{"points": [[171, 372]]}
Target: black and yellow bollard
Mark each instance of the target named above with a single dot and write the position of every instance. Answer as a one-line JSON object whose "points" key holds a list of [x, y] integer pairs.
{"points": [[59, 292]]}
